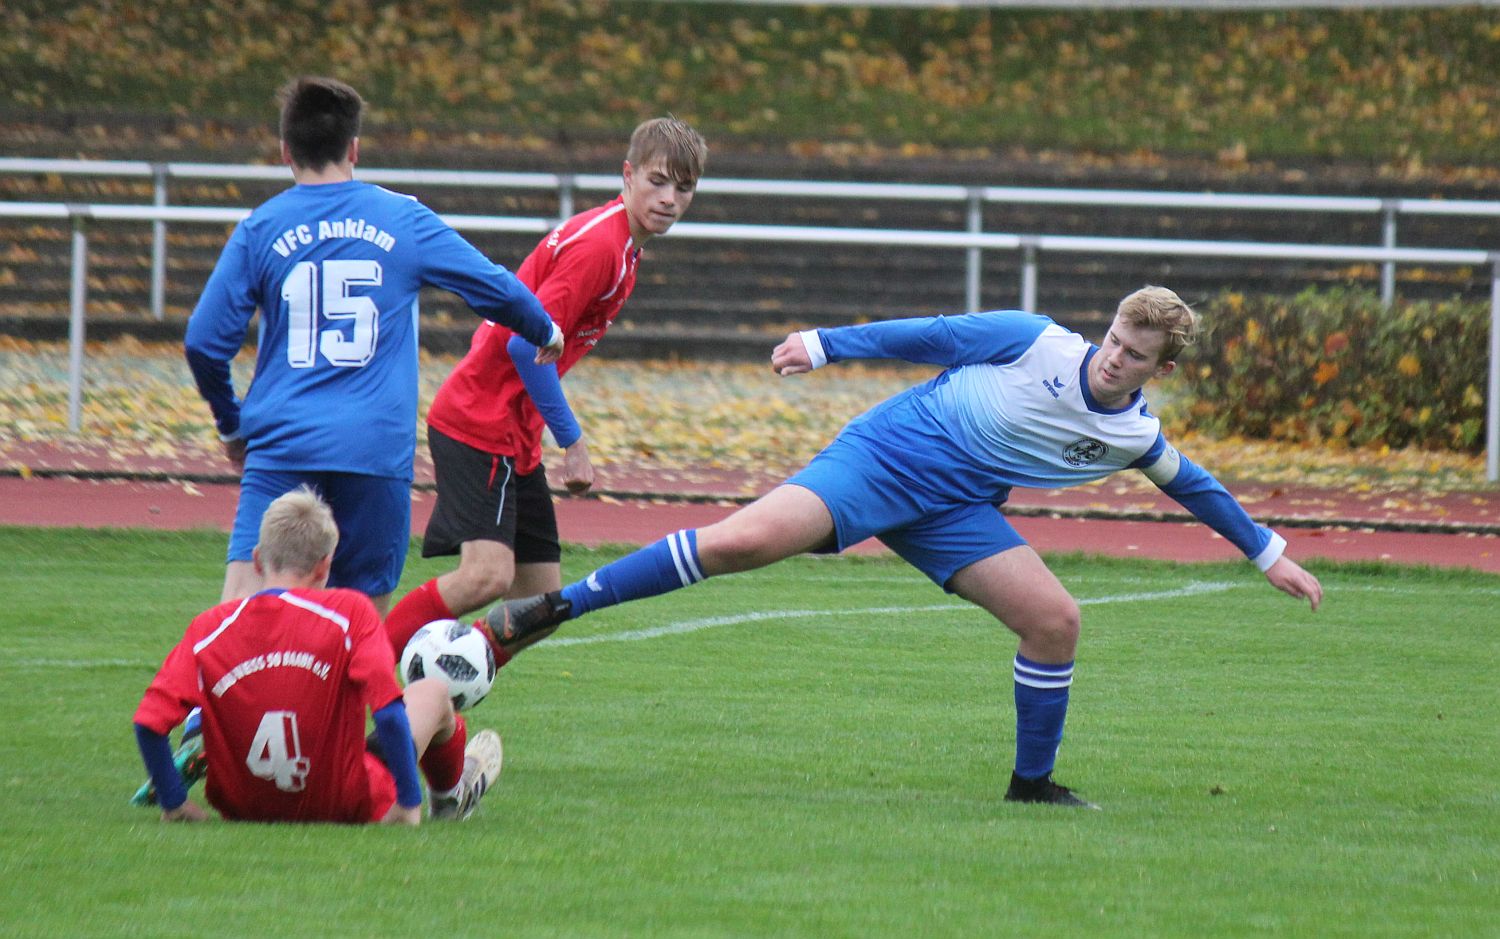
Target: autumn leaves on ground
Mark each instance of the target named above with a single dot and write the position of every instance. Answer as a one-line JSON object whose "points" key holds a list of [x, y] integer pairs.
{"points": [[140, 398]]}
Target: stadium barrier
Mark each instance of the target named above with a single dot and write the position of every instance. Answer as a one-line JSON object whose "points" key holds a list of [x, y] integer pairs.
{"points": [[79, 215], [974, 198]]}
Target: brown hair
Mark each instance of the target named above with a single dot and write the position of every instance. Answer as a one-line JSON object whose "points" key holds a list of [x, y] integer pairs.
{"points": [[672, 140], [319, 119], [1160, 308]]}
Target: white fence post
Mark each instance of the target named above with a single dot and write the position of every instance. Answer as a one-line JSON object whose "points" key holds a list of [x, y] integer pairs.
{"points": [[78, 296], [565, 184], [975, 260], [1388, 239], [1028, 274], [159, 244], [1492, 422]]}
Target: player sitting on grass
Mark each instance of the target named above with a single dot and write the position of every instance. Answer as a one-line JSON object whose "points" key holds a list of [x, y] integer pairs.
{"points": [[1022, 402], [283, 678]]}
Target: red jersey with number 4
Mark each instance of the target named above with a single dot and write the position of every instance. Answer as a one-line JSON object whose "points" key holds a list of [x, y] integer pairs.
{"points": [[582, 272], [284, 678]]}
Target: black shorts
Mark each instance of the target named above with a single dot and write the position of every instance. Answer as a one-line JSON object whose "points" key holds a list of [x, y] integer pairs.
{"points": [[481, 498]]}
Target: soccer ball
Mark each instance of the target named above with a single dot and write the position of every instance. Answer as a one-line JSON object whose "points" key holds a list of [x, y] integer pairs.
{"points": [[455, 652]]}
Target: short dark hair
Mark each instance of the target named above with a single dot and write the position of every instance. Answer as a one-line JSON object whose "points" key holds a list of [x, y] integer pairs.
{"points": [[319, 119]]}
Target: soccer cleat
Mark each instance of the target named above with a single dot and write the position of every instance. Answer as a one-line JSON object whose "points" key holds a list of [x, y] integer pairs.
{"points": [[191, 762], [482, 759], [511, 623], [1044, 791]]}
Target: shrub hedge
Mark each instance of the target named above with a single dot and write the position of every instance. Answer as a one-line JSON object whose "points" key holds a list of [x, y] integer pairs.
{"points": [[1334, 365]]}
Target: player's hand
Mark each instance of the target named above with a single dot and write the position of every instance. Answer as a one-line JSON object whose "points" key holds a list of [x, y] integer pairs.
{"points": [[790, 358], [578, 470], [401, 815], [234, 452], [188, 811], [553, 350], [1288, 576]]}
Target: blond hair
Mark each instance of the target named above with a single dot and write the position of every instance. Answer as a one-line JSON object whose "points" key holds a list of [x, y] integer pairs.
{"points": [[681, 148], [297, 532], [1160, 308]]}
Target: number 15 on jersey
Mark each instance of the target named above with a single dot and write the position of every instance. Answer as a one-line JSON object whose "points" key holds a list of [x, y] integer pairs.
{"points": [[317, 297]]}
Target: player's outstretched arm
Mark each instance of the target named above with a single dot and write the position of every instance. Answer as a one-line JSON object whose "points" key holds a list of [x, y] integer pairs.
{"points": [[791, 358], [1289, 577]]}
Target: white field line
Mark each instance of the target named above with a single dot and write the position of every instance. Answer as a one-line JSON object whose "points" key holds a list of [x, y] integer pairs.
{"points": [[1444, 588], [689, 626], [695, 625]]}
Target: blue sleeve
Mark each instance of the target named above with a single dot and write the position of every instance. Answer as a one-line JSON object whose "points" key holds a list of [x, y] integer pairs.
{"points": [[1196, 490], [216, 331], [493, 292], [949, 341], [545, 387], [217, 388], [156, 752], [400, 753]]}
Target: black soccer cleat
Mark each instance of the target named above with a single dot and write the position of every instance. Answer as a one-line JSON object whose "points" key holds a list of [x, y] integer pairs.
{"points": [[516, 624], [1044, 791]]}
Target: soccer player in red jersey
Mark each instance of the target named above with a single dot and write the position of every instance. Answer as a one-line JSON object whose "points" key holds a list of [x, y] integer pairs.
{"points": [[283, 678], [484, 429]]}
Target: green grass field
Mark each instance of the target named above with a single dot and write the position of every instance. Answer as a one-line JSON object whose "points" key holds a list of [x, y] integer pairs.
{"points": [[817, 749]]}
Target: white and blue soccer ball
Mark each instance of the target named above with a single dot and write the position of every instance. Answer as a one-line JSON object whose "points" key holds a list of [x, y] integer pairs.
{"points": [[455, 652]]}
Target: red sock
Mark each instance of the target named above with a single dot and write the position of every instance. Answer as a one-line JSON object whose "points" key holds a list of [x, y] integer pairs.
{"points": [[443, 763], [501, 656], [416, 609]]}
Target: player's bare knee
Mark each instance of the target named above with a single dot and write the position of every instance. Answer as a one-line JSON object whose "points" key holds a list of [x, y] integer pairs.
{"points": [[482, 583], [1060, 625], [1055, 627]]}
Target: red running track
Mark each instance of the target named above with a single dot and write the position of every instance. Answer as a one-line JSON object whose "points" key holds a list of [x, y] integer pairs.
{"points": [[92, 503]]}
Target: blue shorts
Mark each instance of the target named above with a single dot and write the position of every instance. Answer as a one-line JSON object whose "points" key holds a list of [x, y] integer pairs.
{"points": [[871, 498], [373, 514]]}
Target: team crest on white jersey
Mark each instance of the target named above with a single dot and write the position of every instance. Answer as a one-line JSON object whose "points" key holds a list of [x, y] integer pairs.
{"points": [[1084, 451]]}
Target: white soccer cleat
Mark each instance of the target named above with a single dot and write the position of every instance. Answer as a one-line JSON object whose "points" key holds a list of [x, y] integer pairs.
{"points": [[482, 760]]}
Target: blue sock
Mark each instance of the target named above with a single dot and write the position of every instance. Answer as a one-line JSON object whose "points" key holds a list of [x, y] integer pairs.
{"points": [[1041, 709], [667, 565]]}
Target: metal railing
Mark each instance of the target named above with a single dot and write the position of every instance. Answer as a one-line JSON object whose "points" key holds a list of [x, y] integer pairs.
{"points": [[80, 215], [974, 198]]}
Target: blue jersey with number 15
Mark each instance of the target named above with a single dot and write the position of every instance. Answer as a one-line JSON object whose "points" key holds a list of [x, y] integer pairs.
{"points": [[335, 270]]}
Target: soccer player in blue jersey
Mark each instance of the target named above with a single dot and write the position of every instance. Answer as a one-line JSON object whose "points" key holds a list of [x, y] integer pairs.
{"points": [[334, 266], [1022, 402]]}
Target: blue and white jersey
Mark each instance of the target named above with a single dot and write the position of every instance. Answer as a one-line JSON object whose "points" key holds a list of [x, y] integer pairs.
{"points": [[1013, 408], [335, 270]]}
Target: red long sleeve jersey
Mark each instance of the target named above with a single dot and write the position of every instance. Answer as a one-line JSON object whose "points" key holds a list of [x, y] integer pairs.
{"points": [[582, 272], [285, 678]]}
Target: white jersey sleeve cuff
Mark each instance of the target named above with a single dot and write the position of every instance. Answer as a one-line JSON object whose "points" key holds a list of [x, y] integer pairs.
{"points": [[815, 354], [1274, 549]]}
